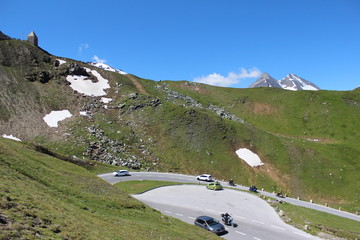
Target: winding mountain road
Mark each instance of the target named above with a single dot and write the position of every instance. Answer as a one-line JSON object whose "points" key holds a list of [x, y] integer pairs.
{"points": [[256, 219]]}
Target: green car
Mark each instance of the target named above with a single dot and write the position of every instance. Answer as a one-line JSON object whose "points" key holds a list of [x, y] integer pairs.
{"points": [[214, 186]]}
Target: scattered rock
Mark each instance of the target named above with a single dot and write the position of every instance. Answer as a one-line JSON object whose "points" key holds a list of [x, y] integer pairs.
{"points": [[75, 69], [133, 95], [3, 219], [281, 213], [174, 96]]}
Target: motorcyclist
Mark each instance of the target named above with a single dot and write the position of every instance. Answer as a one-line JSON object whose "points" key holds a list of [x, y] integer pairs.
{"points": [[231, 182], [227, 218]]}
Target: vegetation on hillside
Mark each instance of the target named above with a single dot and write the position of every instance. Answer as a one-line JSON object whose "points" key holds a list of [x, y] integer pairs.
{"points": [[45, 197], [308, 140]]}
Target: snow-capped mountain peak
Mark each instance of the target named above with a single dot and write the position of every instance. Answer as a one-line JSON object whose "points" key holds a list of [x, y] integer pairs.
{"points": [[106, 67], [290, 82], [265, 80], [294, 83]]}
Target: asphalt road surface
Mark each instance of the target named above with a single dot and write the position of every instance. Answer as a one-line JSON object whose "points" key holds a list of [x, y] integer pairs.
{"points": [[256, 219], [172, 177]]}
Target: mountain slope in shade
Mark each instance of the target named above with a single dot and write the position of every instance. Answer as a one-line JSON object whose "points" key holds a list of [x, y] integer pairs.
{"points": [[265, 80], [290, 82]]}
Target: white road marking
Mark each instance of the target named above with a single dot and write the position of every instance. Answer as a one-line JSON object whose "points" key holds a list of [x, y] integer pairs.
{"points": [[257, 221], [241, 233], [278, 227], [240, 217], [257, 238], [207, 209], [301, 234], [167, 211], [178, 214], [192, 218]]}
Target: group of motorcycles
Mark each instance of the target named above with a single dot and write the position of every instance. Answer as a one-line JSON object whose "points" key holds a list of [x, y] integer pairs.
{"points": [[252, 188]]}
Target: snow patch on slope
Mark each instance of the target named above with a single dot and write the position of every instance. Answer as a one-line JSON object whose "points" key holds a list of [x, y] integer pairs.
{"points": [[106, 67], [105, 100], [61, 61], [54, 117], [84, 85], [11, 137], [249, 157]]}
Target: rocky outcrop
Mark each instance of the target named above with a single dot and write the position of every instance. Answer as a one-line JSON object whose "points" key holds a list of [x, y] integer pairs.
{"points": [[76, 69], [187, 101], [111, 151], [224, 114], [4, 36], [176, 97], [13, 54]]}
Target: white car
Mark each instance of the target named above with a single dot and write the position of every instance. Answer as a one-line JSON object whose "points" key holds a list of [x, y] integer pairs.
{"points": [[205, 177], [121, 173]]}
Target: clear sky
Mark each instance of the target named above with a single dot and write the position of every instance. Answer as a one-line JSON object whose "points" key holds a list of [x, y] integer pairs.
{"points": [[222, 42]]}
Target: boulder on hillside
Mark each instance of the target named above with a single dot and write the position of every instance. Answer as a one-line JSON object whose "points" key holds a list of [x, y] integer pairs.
{"points": [[75, 69]]}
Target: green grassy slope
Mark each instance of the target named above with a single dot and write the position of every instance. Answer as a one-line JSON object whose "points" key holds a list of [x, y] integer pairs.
{"points": [[307, 139], [41, 196]]}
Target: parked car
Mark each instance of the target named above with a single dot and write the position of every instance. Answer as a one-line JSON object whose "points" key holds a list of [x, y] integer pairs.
{"points": [[209, 224], [121, 173], [205, 177], [214, 186]]}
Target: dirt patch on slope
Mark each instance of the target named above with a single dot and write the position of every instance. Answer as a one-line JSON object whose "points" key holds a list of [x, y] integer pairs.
{"points": [[264, 109], [281, 179], [193, 88], [138, 86]]}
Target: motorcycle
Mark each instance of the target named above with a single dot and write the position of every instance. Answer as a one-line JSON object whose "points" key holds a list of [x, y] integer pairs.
{"points": [[280, 194], [231, 183], [227, 219], [253, 189]]}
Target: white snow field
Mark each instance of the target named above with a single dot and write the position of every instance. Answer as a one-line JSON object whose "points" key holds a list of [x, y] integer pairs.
{"points": [[106, 67], [54, 117], [84, 85], [249, 157], [61, 61], [11, 137], [105, 100]]}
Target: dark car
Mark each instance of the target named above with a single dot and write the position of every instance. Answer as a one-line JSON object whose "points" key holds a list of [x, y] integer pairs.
{"points": [[209, 224]]}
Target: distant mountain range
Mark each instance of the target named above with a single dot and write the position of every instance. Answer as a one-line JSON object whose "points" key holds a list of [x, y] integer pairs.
{"points": [[290, 82]]}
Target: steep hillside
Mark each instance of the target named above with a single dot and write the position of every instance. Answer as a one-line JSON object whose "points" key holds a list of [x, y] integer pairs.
{"points": [[308, 140], [45, 197]]}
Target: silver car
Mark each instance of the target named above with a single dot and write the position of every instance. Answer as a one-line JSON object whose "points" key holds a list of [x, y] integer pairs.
{"points": [[121, 173], [209, 224]]}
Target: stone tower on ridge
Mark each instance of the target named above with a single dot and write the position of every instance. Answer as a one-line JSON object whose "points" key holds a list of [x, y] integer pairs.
{"points": [[32, 38]]}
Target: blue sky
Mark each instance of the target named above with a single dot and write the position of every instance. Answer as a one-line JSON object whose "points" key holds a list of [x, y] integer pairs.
{"points": [[227, 43]]}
